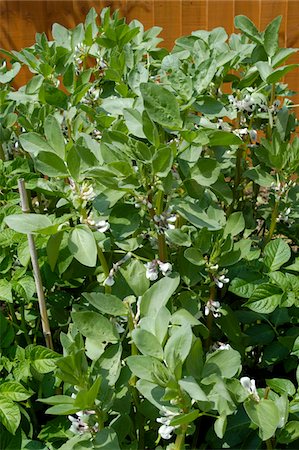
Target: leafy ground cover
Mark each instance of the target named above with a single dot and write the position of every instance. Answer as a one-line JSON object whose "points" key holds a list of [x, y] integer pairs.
{"points": [[164, 207]]}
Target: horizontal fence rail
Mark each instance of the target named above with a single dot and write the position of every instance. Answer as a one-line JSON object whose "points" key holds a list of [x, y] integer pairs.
{"points": [[20, 20]]}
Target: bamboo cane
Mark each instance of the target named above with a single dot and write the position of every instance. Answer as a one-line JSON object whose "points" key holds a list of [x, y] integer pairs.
{"points": [[36, 270]]}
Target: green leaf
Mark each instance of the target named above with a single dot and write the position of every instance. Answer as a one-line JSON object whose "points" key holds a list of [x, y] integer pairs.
{"points": [[50, 164], [265, 415], [8, 76], [27, 223], [289, 433], [147, 367], [279, 73], [53, 96], [162, 161], [194, 256], [178, 346], [42, 359], [234, 225], [5, 291], [14, 391], [106, 303], [223, 138], [95, 326], [83, 246], [10, 414], [193, 389], [196, 216], [281, 386], [184, 418], [53, 247], [220, 426], [161, 105], [54, 135], [134, 273], [248, 28], [106, 439], [277, 253], [178, 237], [124, 220], [133, 119], [158, 295], [34, 143], [147, 343], [225, 363], [259, 176], [265, 299], [271, 35], [206, 171]]}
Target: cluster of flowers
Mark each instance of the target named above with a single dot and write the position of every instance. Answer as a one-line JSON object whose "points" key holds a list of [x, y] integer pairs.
{"points": [[246, 104], [219, 277], [166, 429], [84, 192], [99, 225], [281, 189], [165, 221], [109, 281], [153, 268], [79, 426]]}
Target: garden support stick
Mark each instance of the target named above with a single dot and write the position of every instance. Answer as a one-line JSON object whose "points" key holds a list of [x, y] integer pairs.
{"points": [[36, 270]]}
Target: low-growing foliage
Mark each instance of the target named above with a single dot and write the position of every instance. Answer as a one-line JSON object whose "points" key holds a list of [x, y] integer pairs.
{"points": [[164, 206]]}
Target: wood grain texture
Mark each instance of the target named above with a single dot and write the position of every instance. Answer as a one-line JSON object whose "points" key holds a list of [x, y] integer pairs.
{"points": [[21, 20]]}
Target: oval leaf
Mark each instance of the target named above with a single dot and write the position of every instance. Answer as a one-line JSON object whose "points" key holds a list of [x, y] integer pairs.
{"points": [[83, 246]]}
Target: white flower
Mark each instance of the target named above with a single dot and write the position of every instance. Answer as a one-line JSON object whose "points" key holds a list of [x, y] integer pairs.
{"points": [[250, 387], [151, 270], [102, 225], [109, 281], [86, 192], [213, 307], [166, 429], [78, 426], [224, 347], [166, 268], [221, 280]]}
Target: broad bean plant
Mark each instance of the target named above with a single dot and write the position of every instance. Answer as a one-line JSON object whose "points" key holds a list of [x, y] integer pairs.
{"points": [[164, 206]]}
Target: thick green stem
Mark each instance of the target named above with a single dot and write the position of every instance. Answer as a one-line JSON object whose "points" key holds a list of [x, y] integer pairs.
{"points": [[180, 439], [161, 236], [269, 444], [273, 222], [105, 267]]}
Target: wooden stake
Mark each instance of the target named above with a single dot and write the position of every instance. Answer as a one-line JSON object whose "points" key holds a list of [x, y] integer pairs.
{"points": [[36, 271]]}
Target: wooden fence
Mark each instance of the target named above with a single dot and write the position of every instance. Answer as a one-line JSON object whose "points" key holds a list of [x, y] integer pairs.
{"points": [[21, 19]]}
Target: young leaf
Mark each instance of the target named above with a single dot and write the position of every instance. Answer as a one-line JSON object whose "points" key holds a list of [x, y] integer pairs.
{"points": [[271, 36], [14, 391], [83, 246], [147, 343], [193, 389], [42, 359], [158, 295], [161, 105], [54, 135], [178, 347], [277, 253], [248, 28], [106, 303], [234, 225], [10, 414]]}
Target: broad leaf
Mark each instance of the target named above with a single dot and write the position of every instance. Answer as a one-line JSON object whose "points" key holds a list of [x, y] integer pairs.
{"points": [[158, 295], [265, 299], [265, 415], [28, 223], [83, 246], [106, 303], [147, 343], [54, 135], [277, 253], [10, 414], [161, 105], [95, 326]]}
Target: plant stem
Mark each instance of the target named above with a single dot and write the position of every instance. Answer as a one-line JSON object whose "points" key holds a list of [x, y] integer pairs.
{"points": [[161, 236], [23, 322], [269, 444], [273, 222], [180, 439], [104, 267], [212, 297]]}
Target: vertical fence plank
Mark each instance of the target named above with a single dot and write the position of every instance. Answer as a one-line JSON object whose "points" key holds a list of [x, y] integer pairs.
{"points": [[292, 40], [194, 16], [221, 14], [168, 15], [142, 11], [251, 9]]}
